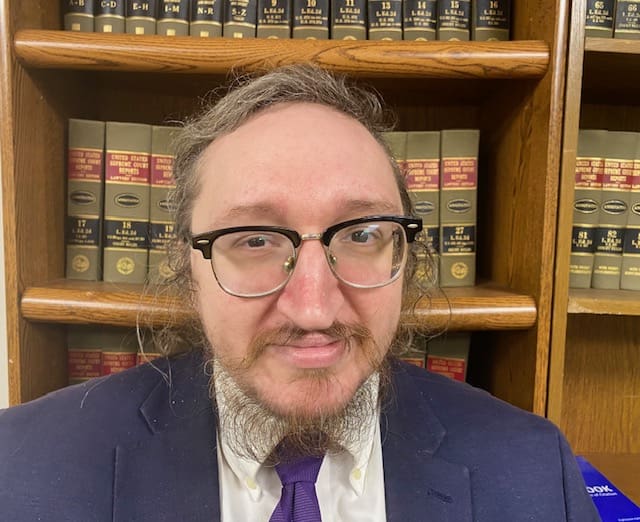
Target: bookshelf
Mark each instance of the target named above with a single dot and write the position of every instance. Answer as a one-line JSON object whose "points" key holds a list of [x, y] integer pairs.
{"points": [[511, 91], [594, 378]]}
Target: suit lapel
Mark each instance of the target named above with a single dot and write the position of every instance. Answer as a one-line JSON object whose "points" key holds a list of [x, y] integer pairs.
{"points": [[171, 474], [418, 484]]}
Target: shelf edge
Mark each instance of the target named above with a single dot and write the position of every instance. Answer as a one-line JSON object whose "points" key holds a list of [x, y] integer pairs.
{"points": [[516, 59]]}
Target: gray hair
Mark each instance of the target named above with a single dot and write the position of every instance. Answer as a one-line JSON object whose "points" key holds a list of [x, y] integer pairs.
{"points": [[246, 97]]}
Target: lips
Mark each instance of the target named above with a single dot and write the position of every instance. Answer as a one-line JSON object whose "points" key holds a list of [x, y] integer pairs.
{"points": [[311, 351]]}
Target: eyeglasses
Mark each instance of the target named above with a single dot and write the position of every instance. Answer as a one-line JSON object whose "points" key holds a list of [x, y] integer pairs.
{"points": [[255, 261]]}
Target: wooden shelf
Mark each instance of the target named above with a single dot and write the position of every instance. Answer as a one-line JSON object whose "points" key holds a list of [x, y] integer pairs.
{"points": [[484, 307], [401, 59], [604, 302], [622, 470]]}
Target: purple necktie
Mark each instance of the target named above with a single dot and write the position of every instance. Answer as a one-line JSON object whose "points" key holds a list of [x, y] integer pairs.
{"points": [[298, 501]]}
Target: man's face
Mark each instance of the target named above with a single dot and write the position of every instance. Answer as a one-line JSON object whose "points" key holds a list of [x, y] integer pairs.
{"points": [[305, 167]]}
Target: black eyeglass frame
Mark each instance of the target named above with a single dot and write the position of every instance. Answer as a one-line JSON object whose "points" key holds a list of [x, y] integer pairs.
{"points": [[204, 242]]}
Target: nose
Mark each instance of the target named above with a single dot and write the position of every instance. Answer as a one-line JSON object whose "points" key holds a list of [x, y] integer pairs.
{"points": [[313, 296]]}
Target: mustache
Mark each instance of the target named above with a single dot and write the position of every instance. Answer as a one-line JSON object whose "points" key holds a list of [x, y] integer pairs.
{"points": [[350, 334]]}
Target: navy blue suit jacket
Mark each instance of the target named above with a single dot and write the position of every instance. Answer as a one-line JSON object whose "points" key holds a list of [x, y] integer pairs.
{"points": [[141, 446]]}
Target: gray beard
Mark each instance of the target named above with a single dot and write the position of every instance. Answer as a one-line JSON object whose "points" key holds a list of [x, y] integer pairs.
{"points": [[252, 431]]}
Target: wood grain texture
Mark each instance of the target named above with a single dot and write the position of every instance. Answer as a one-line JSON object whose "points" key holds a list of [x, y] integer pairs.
{"points": [[111, 52], [601, 399], [565, 210], [485, 307], [604, 302]]}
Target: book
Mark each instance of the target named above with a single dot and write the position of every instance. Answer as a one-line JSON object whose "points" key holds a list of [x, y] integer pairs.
{"points": [[240, 18], [119, 347], [173, 18], [587, 198], [458, 195], [490, 20], [416, 353], [627, 19], [397, 143], [348, 19], [448, 355], [160, 211], [110, 16], [423, 182], [599, 18], [630, 269], [616, 185], [454, 20], [611, 503], [206, 18], [78, 15], [420, 19], [274, 19], [141, 17], [310, 19], [84, 353], [384, 19], [126, 202], [85, 199]]}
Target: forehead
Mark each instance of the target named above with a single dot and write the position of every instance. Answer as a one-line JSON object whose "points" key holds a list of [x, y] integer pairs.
{"points": [[296, 164]]}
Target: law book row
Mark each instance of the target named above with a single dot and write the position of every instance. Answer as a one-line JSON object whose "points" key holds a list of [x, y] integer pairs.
{"points": [[480, 20], [119, 220], [605, 243], [94, 352], [441, 170], [613, 19]]}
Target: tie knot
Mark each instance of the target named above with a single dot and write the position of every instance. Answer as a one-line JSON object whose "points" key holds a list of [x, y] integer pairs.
{"points": [[303, 469]]}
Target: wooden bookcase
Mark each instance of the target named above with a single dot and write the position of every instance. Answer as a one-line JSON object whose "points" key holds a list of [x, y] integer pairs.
{"points": [[512, 91], [594, 379]]}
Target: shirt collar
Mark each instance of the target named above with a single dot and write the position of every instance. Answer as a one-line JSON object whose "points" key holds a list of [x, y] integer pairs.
{"points": [[249, 471]]}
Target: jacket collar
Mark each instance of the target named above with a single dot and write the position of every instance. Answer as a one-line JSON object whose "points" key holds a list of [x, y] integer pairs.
{"points": [[419, 485], [173, 467]]}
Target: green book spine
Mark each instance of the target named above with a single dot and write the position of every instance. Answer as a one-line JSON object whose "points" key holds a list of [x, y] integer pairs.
{"points": [[110, 16], [84, 353], [240, 19], [385, 19], [420, 19], [490, 20], [173, 18], [423, 181], [627, 19], [397, 143], [348, 19], [78, 15], [119, 348], [599, 19], [126, 206], [160, 215], [206, 18], [448, 355], [630, 272], [311, 19], [458, 196], [616, 186], [85, 183], [454, 20], [586, 205], [141, 17], [274, 19]]}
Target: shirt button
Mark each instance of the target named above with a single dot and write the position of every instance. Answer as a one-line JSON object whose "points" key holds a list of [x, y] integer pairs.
{"points": [[356, 474], [251, 484]]}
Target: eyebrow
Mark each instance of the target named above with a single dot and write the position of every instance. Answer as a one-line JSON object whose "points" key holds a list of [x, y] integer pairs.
{"points": [[348, 209]]}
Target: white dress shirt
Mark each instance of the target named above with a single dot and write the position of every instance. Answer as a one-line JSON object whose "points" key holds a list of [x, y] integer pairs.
{"points": [[350, 485]]}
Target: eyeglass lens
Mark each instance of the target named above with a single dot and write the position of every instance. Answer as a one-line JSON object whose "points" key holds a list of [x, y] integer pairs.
{"points": [[256, 263]]}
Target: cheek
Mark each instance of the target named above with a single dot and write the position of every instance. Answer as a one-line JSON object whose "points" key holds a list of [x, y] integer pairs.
{"points": [[380, 312]]}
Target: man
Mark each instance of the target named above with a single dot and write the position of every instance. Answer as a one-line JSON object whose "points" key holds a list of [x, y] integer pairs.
{"points": [[296, 248]]}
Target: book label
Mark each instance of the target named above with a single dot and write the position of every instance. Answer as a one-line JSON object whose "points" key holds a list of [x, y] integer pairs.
{"points": [[420, 19], [599, 19], [115, 362], [349, 19], [454, 19], [83, 364], [385, 19], [491, 20], [627, 20]]}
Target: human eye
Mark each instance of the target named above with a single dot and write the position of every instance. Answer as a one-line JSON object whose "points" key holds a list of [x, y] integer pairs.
{"points": [[362, 235], [257, 241]]}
